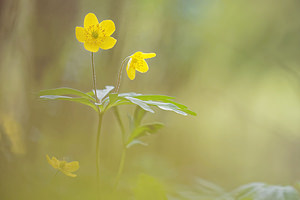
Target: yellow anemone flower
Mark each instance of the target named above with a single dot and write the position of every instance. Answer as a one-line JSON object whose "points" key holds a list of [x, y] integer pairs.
{"points": [[96, 35], [137, 62], [63, 166]]}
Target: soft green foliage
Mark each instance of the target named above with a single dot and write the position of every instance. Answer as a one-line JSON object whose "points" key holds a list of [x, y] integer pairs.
{"points": [[205, 190], [143, 130], [149, 188], [262, 191], [65, 91], [73, 95], [201, 189], [102, 93], [103, 100], [108, 99]]}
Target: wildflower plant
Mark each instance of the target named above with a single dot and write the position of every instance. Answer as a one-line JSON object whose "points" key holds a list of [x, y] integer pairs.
{"points": [[97, 35]]}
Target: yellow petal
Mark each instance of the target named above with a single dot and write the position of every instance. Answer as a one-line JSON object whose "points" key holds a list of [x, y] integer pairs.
{"points": [[137, 55], [108, 27], [68, 173], [80, 34], [53, 162], [91, 46], [71, 166], [141, 66], [107, 43], [148, 55], [90, 19], [130, 70]]}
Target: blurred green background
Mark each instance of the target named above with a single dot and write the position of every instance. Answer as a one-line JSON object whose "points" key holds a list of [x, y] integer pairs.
{"points": [[235, 63]]}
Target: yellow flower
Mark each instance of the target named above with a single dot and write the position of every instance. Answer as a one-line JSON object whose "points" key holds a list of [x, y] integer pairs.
{"points": [[96, 35], [63, 166], [137, 62]]}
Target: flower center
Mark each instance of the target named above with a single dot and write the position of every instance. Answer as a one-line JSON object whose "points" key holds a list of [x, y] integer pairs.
{"points": [[62, 164], [95, 34]]}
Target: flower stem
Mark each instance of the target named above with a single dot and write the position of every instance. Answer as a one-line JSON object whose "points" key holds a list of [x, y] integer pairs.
{"points": [[120, 74], [98, 153], [94, 77], [121, 166], [116, 111], [98, 130]]}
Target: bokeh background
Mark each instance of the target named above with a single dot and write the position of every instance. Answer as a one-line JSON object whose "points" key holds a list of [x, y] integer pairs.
{"points": [[235, 63]]}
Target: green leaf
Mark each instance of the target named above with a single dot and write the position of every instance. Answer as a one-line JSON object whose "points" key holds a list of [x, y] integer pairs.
{"points": [[154, 97], [139, 103], [149, 188], [201, 189], [67, 98], [113, 97], [261, 191], [208, 187], [142, 130], [181, 107], [146, 101], [129, 94], [102, 93], [166, 106], [65, 91], [133, 142]]}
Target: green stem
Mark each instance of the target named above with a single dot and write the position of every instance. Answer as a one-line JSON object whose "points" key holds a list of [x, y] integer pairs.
{"points": [[99, 128], [121, 166], [116, 111], [94, 77], [98, 152], [120, 74]]}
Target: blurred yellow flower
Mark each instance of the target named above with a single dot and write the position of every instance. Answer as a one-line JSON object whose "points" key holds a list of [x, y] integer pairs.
{"points": [[137, 62], [96, 35], [63, 166]]}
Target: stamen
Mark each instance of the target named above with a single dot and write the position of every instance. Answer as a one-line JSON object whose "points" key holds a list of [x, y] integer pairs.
{"points": [[95, 34]]}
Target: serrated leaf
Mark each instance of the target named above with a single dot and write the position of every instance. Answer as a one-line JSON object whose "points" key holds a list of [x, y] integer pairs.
{"points": [[139, 103], [65, 91], [102, 93], [67, 98], [142, 130], [261, 191], [134, 142]]}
